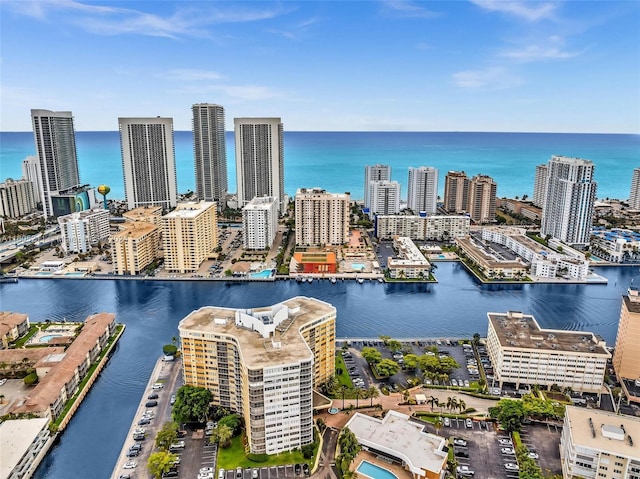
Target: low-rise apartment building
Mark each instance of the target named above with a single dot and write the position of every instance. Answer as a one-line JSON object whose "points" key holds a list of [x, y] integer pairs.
{"points": [[22, 446], [12, 326], [135, 247], [263, 363], [616, 245], [422, 227], [411, 263], [84, 229], [489, 265], [598, 444], [523, 353]]}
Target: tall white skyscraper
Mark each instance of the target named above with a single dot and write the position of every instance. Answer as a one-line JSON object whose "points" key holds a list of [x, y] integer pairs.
{"points": [[259, 159], [384, 197], [148, 162], [31, 172], [634, 195], [571, 192], [422, 194], [540, 186], [374, 173], [55, 142], [210, 154]]}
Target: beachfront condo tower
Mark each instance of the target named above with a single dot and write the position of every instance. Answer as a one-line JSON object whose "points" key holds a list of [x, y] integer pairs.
{"points": [[482, 199], [210, 154], [422, 194], [55, 142], [634, 195], [148, 162], [374, 173], [456, 192], [384, 198], [322, 218], [569, 203], [540, 186], [259, 159]]}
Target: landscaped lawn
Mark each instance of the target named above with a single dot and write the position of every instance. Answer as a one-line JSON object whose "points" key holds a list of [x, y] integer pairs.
{"points": [[343, 377], [233, 456]]}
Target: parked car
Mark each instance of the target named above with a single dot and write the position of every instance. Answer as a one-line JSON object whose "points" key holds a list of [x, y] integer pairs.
{"points": [[221, 474], [144, 421], [507, 450], [510, 466], [447, 422], [468, 423], [464, 471], [459, 442], [505, 442], [461, 453], [173, 399], [239, 473], [2, 381], [153, 396], [130, 465], [533, 455], [151, 404]]}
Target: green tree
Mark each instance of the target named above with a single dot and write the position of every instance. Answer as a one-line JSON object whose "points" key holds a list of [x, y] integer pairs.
{"points": [[394, 345], [160, 462], [222, 435], [476, 338], [192, 404], [509, 413], [432, 401], [31, 379], [169, 350], [462, 406], [411, 361], [167, 435], [387, 367], [371, 355], [447, 364], [233, 422], [373, 393]]}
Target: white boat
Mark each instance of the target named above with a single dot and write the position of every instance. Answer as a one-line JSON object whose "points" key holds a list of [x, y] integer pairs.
{"points": [[380, 280], [333, 280], [360, 280], [310, 280]]}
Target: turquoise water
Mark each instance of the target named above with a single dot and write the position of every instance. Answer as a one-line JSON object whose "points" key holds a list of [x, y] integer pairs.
{"points": [[358, 266], [48, 337], [262, 274], [335, 161], [75, 274], [375, 472], [44, 273]]}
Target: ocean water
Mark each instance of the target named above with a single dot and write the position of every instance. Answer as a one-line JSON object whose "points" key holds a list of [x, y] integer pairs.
{"points": [[335, 161]]}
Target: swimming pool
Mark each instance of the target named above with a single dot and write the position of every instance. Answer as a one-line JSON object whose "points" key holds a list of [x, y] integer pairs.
{"points": [[48, 337], [368, 469], [265, 273], [75, 274], [358, 266]]}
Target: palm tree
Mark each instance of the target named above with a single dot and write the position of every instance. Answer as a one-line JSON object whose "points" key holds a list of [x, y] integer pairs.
{"points": [[373, 393], [359, 395], [343, 390], [438, 424], [462, 406], [432, 401]]}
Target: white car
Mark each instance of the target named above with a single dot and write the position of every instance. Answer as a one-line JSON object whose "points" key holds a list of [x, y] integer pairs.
{"points": [[510, 466], [157, 386], [206, 470], [507, 450], [533, 455], [464, 471], [2, 381], [177, 445], [130, 465], [206, 475], [505, 442]]}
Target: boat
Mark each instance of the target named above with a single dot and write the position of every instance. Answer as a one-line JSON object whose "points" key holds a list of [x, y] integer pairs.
{"points": [[333, 280], [310, 280], [380, 280], [299, 279], [360, 280]]}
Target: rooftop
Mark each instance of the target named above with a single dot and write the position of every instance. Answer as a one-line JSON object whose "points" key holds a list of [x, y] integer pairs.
{"points": [[143, 212], [84, 214], [632, 300], [398, 436], [604, 431], [285, 344], [134, 230], [190, 209], [517, 330], [9, 320], [16, 437]]}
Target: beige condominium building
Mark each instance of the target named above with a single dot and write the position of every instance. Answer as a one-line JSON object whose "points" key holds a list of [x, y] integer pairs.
{"points": [[148, 214], [135, 247], [523, 353], [264, 364], [12, 326], [626, 358], [189, 235], [322, 218], [599, 444]]}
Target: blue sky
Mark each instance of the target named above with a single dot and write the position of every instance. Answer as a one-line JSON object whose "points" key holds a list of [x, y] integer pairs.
{"points": [[480, 65]]}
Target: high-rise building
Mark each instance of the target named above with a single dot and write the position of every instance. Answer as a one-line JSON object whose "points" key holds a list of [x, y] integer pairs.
{"points": [[260, 223], [456, 192], [634, 195], [374, 173], [264, 364], [135, 247], [148, 162], [147, 214], [189, 235], [482, 199], [55, 143], [210, 154], [597, 444], [322, 218], [16, 198], [422, 194], [626, 357], [31, 172], [384, 197], [540, 186], [569, 204], [84, 229], [259, 159]]}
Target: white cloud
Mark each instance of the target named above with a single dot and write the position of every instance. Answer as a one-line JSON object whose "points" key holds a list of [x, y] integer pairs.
{"points": [[529, 11], [191, 75], [297, 30], [493, 78], [533, 53], [404, 8]]}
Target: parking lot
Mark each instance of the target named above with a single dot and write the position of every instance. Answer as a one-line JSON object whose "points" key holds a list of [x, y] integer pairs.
{"points": [[291, 471]]}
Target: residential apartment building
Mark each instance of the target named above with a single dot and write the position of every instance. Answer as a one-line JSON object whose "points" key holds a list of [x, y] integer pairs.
{"points": [[12, 326], [84, 229], [16, 198], [456, 192], [135, 247], [263, 363], [146, 214], [189, 235], [422, 189], [259, 159], [48, 397], [422, 227], [616, 245], [322, 218], [410, 263], [374, 173], [55, 142], [569, 204], [482, 199], [210, 153], [384, 197], [489, 265], [31, 172], [422, 454], [23, 444], [148, 162], [634, 194], [260, 223], [525, 209], [523, 353], [626, 357], [597, 444], [540, 186]]}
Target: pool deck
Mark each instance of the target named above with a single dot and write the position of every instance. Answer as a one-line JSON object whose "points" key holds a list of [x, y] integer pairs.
{"points": [[395, 468]]}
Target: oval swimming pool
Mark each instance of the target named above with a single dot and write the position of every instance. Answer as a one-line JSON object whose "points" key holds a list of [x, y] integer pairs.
{"points": [[373, 471]]}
